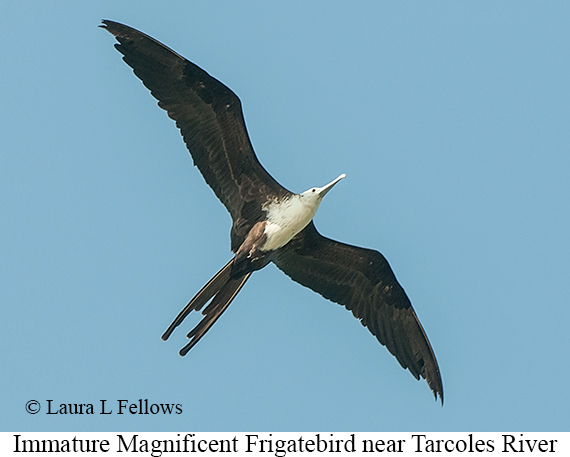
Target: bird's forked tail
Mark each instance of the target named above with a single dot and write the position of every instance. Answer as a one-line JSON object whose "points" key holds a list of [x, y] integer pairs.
{"points": [[221, 289]]}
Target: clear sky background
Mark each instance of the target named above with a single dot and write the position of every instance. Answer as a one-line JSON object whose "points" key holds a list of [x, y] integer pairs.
{"points": [[451, 121]]}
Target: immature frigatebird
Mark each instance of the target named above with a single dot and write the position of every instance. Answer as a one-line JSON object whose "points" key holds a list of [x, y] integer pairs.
{"points": [[270, 224]]}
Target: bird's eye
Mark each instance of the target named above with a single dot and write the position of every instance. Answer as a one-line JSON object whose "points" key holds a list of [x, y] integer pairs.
{"points": [[313, 190]]}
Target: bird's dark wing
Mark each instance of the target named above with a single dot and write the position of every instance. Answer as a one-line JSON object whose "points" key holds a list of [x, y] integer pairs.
{"points": [[208, 114], [362, 281]]}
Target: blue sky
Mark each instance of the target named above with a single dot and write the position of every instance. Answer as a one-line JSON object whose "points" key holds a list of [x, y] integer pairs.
{"points": [[450, 120]]}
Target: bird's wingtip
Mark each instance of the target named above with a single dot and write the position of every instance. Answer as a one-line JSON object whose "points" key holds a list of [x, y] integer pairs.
{"points": [[438, 393], [114, 28]]}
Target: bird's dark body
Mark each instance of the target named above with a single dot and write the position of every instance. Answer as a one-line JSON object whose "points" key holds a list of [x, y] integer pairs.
{"points": [[209, 116]]}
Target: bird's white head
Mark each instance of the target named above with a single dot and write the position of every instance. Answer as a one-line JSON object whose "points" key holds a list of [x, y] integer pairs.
{"points": [[316, 194]]}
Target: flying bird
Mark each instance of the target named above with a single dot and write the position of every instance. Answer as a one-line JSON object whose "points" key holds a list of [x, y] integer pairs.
{"points": [[269, 223]]}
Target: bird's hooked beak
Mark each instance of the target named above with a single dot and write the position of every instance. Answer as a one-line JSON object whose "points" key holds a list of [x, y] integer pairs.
{"points": [[324, 190]]}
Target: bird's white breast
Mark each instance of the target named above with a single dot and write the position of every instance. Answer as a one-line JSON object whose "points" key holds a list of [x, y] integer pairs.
{"points": [[285, 219]]}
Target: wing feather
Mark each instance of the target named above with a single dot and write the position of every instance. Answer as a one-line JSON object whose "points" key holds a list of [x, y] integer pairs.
{"points": [[362, 281], [208, 114]]}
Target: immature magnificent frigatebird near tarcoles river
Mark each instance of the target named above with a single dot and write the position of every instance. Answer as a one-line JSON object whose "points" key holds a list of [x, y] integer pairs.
{"points": [[270, 224]]}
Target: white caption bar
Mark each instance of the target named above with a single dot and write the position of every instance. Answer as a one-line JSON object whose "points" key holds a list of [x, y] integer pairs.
{"points": [[283, 444]]}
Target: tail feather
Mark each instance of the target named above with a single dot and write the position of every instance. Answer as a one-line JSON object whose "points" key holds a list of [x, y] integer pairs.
{"points": [[221, 289], [214, 310], [213, 286]]}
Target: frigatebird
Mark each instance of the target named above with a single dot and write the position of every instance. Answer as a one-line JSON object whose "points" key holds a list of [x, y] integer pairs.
{"points": [[270, 223]]}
